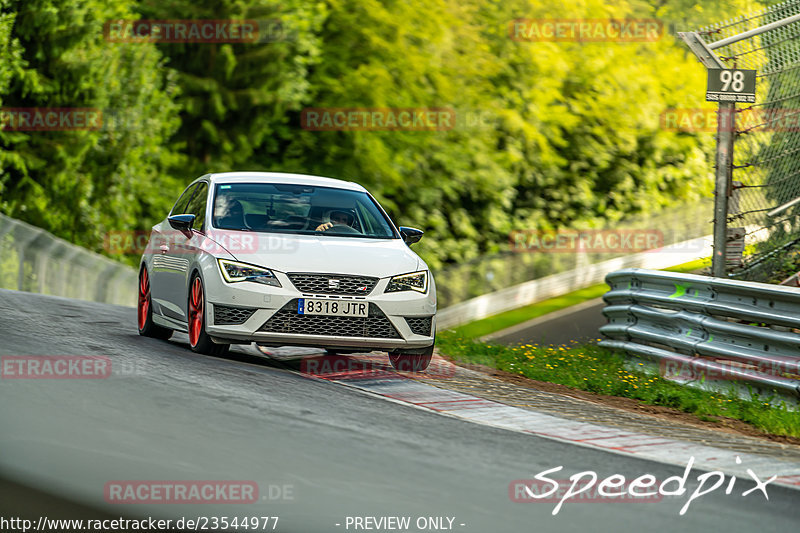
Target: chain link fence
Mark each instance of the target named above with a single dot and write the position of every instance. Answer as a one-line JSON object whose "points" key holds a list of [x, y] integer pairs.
{"points": [[765, 183], [34, 260]]}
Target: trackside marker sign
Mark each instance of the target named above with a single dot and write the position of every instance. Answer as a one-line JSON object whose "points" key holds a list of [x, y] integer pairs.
{"points": [[731, 85]]}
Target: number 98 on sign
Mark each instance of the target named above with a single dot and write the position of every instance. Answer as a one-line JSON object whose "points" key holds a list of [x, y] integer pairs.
{"points": [[731, 85]]}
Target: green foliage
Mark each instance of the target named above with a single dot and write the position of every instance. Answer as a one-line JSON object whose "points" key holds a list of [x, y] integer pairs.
{"points": [[600, 371], [548, 134], [9, 263], [506, 319], [10, 62], [82, 184], [236, 98]]}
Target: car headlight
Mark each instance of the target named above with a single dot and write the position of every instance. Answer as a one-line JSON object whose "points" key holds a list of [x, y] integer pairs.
{"points": [[233, 271], [415, 281]]}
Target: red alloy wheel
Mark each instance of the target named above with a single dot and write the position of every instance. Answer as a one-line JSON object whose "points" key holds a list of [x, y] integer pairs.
{"points": [[196, 309], [144, 298]]}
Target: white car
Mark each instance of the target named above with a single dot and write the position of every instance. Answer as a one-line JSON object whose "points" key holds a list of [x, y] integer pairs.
{"points": [[287, 260]]}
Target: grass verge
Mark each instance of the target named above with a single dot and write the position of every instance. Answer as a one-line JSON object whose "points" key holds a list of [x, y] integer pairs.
{"points": [[485, 326], [594, 369], [479, 328]]}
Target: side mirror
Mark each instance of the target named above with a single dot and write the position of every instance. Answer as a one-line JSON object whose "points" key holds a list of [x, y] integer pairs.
{"points": [[411, 235], [181, 222]]}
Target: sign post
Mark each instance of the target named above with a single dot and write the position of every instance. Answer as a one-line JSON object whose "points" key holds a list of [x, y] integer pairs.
{"points": [[725, 86], [731, 85]]}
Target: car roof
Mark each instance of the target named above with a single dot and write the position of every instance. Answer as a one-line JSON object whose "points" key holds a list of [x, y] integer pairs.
{"points": [[282, 177]]}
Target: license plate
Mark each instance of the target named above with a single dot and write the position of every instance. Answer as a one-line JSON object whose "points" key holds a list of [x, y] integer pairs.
{"points": [[307, 306]]}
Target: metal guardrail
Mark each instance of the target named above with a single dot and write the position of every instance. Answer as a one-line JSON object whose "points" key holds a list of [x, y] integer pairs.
{"points": [[33, 260], [509, 268], [719, 329], [561, 283]]}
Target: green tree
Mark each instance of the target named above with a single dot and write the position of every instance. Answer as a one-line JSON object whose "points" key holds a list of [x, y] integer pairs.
{"points": [[235, 97], [82, 184], [547, 134]]}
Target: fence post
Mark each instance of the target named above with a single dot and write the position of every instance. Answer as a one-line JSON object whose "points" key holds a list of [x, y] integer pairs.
{"points": [[766, 147], [726, 122], [21, 271]]}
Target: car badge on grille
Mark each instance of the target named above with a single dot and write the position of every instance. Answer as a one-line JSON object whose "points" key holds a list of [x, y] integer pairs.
{"points": [[333, 283], [362, 288]]}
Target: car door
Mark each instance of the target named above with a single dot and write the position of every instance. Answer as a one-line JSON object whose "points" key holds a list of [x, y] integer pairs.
{"points": [[161, 240], [183, 250]]}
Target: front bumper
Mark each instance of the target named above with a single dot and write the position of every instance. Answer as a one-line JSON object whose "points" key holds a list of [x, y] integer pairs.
{"points": [[252, 312]]}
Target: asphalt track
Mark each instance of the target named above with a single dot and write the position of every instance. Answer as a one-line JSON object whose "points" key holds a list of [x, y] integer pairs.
{"points": [[166, 413], [580, 323]]}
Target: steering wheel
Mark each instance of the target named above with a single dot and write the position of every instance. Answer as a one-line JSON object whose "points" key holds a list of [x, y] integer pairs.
{"points": [[344, 228]]}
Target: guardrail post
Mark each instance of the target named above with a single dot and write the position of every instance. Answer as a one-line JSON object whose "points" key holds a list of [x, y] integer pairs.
{"points": [[21, 271]]}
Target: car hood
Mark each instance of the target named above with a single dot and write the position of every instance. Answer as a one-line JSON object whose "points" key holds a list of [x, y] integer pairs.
{"points": [[324, 254]]}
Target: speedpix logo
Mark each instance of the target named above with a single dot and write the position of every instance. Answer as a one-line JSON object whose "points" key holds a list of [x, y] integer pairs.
{"points": [[586, 486]]}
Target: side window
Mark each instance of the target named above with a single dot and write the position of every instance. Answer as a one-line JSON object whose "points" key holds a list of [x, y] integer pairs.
{"points": [[374, 225], [197, 206], [180, 205]]}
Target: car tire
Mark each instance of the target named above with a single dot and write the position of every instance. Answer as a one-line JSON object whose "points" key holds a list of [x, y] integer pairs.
{"points": [[408, 362], [199, 340], [144, 310], [413, 360]]}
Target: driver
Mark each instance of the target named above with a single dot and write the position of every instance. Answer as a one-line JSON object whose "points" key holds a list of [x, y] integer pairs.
{"points": [[337, 218], [233, 214]]}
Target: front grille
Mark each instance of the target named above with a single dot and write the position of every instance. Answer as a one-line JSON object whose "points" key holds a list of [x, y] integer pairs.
{"points": [[420, 325], [231, 315], [320, 284], [286, 320]]}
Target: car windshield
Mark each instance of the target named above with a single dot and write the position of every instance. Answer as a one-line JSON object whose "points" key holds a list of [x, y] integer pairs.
{"points": [[299, 209]]}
